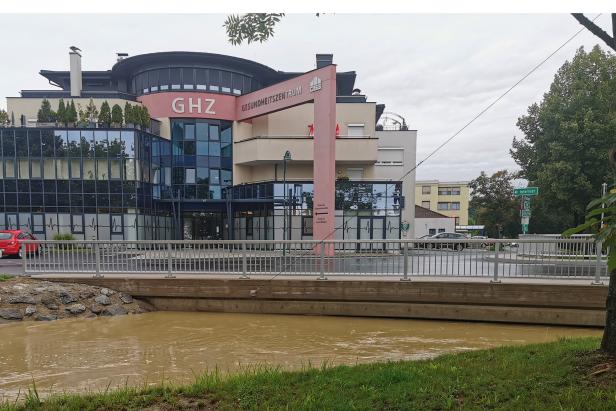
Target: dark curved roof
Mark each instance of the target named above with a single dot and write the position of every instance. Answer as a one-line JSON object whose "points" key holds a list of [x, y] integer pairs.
{"points": [[108, 80], [140, 62]]}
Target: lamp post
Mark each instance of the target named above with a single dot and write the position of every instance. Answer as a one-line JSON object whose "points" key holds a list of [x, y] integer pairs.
{"points": [[287, 157]]}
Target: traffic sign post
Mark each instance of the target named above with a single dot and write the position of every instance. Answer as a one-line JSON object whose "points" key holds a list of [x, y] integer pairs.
{"points": [[525, 210], [528, 191]]}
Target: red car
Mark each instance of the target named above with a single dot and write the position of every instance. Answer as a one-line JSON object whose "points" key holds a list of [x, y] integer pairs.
{"points": [[10, 242]]}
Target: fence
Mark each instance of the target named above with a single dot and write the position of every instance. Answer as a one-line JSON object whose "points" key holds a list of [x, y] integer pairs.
{"points": [[556, 258]]}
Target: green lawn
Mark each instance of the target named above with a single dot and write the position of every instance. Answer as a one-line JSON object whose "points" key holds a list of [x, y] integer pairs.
{"points": [[553, 376], [5, 277]]}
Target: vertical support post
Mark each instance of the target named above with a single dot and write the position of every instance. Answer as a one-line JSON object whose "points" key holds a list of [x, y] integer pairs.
{"points": [[496, 250], [405, 254], [244, 275], [97, 257], [598, 268], [24, 256], [322, 262], [169, 262]]}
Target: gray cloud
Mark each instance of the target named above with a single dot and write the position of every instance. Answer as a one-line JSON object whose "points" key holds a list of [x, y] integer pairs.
{"points": [[438, 71]]}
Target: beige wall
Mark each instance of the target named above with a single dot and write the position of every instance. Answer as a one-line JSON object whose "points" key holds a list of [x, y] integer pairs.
{"points": [[434, 198], [30, 106], [255, 159]]}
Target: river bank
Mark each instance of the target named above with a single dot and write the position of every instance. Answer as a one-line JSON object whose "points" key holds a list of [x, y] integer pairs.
{"points": [[28, 299], [567, 374]]}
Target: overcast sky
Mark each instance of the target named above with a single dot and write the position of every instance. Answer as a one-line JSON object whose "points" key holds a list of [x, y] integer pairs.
{"points": [[437, 71]]}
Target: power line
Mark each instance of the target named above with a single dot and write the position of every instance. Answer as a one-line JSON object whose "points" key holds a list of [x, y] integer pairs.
{"points": [[477, 116]]}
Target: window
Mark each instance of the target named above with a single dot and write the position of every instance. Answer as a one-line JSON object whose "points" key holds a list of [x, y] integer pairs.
{"points": [[190, 176], [455, 191], [355, 173], [442, 206], [425, 190], [432, 231], [455, 206], [355, 130], [390, 156], [77, 223], [116, 224], [441, 230], [444, 191], [38, 223], [306, 226], [425, 204], [249, 226]]}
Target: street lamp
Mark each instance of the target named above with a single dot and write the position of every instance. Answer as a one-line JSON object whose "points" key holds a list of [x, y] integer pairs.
{"points": [[287, 157]]}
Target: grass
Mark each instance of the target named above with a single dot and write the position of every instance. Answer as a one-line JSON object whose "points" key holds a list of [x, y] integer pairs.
{"points": [[553, 376], [5, 277]]}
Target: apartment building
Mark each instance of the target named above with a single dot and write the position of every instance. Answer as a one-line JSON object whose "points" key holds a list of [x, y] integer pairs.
{"points": [[450, 198]]}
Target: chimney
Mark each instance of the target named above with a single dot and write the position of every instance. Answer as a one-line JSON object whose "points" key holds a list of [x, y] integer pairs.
{"points": [[76, 81], [324, 60]]}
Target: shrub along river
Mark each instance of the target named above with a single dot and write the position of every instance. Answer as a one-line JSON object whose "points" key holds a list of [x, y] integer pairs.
{"points": [[82, 354]]}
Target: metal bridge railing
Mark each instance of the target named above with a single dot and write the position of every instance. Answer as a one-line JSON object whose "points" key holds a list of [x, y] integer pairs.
{"points": [[549, 258]]}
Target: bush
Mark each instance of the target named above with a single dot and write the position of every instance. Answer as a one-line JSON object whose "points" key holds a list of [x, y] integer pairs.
{"points": [[64, 237]]}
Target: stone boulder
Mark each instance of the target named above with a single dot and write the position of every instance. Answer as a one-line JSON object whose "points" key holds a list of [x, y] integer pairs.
{"points": [[11, 314], [31, 309], [66, 297], [103, 300], [45, 317], [22, 299], [75, 308], [114, 310]]}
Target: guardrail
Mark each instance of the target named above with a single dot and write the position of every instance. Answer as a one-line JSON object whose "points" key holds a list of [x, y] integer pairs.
{"points": [[491, 259]]}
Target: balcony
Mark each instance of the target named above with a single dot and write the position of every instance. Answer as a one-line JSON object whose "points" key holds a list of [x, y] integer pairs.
{"points": [[271, 149]]}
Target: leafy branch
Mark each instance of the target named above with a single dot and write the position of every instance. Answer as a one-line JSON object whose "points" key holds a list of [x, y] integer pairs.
{"points": [[251, 27]]}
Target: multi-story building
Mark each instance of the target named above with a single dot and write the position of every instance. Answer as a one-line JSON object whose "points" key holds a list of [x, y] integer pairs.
{"points": [[450, 198], [228, 154]]}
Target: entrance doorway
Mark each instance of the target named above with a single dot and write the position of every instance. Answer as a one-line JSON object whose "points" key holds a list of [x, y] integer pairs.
{"points": [[203, 226], [370, 228]]}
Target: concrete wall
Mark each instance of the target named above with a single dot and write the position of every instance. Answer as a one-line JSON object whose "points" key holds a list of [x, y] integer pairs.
{"points": [[423, 225], [407, 140], [535, 303]]}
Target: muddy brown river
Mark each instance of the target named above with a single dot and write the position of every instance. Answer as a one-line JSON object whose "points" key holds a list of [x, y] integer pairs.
{"points": [[71, 355]]}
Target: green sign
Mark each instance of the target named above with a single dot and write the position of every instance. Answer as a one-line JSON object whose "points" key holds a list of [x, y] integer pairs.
{"points": [[524, 228], [528, 191], [525, 213]]}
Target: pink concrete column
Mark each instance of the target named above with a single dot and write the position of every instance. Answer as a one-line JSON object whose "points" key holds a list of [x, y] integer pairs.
{"points": [[325, 158]]}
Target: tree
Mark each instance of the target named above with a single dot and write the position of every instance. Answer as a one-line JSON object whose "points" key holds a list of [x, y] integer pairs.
{"points": [[566, 140], [61, 113], [4, 118], [105, 115], [91, 112], [494, 205], [116, 115], [144, 117], [598, 31], [83, 118], [251, 27], [605, 234], [45, 113], [71, 113], [128, 114]]}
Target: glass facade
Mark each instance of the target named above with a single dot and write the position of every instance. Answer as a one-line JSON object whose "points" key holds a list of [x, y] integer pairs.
{"points": [[363, 210], [93, 183], [126, 184], [193, 78], [202, 158]]}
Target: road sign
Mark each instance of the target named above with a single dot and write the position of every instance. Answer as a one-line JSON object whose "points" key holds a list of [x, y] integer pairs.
{"points": [[528, 191], [524, 228], [525, 213], [526, 203]]}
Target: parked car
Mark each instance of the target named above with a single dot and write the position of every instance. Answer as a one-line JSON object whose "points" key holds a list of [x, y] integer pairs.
{"points": [[458, 245], [10, 243]]}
